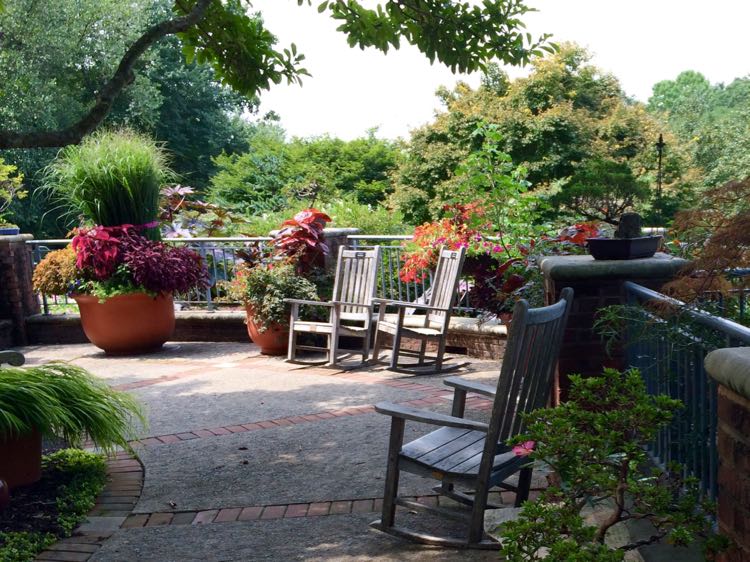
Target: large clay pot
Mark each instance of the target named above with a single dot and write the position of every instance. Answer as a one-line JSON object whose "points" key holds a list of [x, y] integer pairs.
{"points": [[21, 459], [127, 324], [273, 341]]}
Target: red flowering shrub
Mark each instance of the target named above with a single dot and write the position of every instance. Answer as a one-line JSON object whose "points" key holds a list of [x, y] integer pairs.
{"points": [[460, 229], [301, 239]]}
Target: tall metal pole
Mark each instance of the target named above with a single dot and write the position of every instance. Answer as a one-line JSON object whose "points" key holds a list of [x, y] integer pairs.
{"points": [[660, 150]]}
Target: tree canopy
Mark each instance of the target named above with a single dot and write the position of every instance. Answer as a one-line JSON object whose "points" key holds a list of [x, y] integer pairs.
{"points": [[565, 114], [240, 49]]}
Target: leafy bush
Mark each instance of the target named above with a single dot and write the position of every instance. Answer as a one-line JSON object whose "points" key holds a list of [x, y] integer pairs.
{"points": [[56, 273], [67, 402], [263, 287], [113, 178], [595, 443]]}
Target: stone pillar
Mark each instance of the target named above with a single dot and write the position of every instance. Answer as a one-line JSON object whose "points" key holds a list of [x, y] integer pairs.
{"points": [[731, 369], [596, 284], [17, 298]]}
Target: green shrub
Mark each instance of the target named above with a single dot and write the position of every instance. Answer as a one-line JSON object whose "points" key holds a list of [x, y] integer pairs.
{"points": [[66, 401], [112, 178]]}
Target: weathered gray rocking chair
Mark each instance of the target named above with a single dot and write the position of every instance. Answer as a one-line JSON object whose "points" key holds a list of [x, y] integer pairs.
{"points": [[351, 310], [432, 326], [469, 453]]}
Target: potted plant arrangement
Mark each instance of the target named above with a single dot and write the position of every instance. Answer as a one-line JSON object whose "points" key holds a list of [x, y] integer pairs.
{"points": [[123, 284], [121, 276], [58, 401], [283, 273], [11, 188]]}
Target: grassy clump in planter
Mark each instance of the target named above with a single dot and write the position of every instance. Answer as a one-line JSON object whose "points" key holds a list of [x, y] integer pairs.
{"points": [[112, 178], [67, 402], [49, 510]]}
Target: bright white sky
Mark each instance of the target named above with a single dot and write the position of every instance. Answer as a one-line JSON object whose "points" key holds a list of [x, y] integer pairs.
{"points": [[639, 41]]}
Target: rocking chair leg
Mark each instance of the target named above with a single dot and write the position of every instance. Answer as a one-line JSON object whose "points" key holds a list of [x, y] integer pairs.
{"points": [[422, 351], [391, 474], [395, 349], [440, 352], [376, 346], [292, 351], [524, 484], [333, 346]]}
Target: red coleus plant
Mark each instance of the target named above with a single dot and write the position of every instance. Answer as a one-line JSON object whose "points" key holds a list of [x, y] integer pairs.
{"points": [[103, 251], [301, 239], [100, 249]]}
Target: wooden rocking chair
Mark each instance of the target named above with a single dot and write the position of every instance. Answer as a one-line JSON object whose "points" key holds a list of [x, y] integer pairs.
{"points": [[432, 326], [351, 310], [469, 453]]}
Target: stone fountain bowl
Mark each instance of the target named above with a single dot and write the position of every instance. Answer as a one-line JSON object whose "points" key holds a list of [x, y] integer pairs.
{"points": [[623, 248]]}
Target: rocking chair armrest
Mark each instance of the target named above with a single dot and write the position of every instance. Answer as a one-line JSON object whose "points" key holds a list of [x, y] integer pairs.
{"points": [[358, 304], [426, 416], [404, 304], [471, 386], [311, 303]]}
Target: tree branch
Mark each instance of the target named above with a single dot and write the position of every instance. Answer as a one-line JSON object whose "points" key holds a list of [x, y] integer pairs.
{"points": [[106, 97]]}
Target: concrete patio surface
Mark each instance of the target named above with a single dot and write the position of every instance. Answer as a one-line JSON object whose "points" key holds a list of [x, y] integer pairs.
{"points": [[247, 457]]}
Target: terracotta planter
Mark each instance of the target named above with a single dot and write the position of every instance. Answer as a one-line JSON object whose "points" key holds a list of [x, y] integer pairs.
{"points": [[273, 341], [21, 459], [127, 324]]}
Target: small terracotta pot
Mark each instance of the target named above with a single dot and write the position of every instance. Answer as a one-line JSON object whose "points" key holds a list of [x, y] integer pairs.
{"points": [[21, 459], [273, 341], [127, 324]]}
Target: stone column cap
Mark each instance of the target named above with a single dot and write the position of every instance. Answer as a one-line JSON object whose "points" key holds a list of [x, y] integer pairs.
{"points": [[579, 268], [731, 367], [16, 237]]}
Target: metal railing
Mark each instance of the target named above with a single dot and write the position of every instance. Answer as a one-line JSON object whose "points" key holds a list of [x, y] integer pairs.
{"points": [[667, 341], [223, 254]]}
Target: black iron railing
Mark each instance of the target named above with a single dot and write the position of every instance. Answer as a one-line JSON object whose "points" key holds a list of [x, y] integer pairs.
{"points": [[667, 341]]}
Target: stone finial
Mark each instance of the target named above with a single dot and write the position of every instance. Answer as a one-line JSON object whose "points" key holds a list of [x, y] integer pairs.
{"points": [[630, 226]]}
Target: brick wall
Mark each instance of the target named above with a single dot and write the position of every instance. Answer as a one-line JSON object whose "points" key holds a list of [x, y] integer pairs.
{"points": [[17, 298], [734, 472], [596, 284]]}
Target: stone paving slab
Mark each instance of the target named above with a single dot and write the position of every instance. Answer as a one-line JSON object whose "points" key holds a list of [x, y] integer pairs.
{"points": [[341, 538]]}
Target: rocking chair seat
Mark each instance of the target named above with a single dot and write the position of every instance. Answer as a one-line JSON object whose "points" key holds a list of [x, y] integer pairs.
{"points": [[417, 328], [327, 328], [455, 455]]}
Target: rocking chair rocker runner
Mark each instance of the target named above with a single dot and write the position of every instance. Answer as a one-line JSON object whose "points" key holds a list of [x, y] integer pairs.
{"points": [[469, 453], [351, 310], [432, 326]]}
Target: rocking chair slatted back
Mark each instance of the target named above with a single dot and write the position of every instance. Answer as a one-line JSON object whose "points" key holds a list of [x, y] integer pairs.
{"points": [[528, 365], [356, 276], [445, 285]]}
